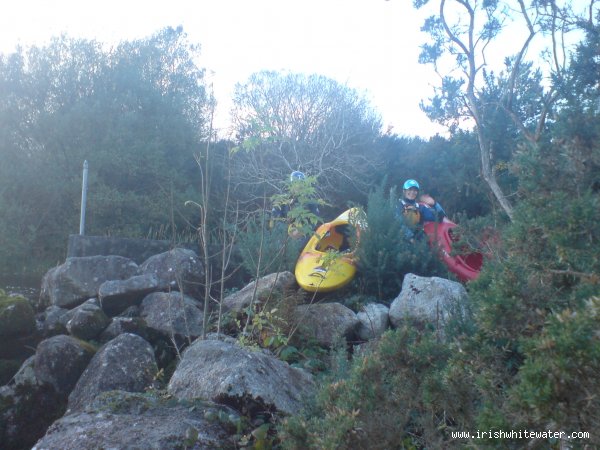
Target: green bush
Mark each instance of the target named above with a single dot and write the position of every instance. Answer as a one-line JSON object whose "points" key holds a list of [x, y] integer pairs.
{"points": [[267, 250], [527, 359], [559, 379], [533, 359], [385, 255], [387, 400]]}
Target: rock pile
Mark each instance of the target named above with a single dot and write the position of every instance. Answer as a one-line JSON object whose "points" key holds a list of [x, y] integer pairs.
{"points": [[108, 331]]}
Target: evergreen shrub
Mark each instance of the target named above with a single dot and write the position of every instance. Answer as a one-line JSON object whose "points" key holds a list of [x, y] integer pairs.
{"points": [[268, 249], [559, 378], [533, 361], [387, 400], [536, 357], [385, 255]]}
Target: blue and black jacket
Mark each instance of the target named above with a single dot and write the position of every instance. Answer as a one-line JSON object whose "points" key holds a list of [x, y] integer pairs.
{"points": [[425, 214]]}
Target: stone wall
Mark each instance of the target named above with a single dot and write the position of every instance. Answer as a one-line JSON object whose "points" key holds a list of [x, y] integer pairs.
{"points": [[137, 250]]}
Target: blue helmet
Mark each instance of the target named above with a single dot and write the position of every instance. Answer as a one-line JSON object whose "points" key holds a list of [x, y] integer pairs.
{"points": [[297, 175], [410, 184]]}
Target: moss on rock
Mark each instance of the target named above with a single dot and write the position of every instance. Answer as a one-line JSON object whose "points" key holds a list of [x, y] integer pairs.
{"points": [[17, 317]]}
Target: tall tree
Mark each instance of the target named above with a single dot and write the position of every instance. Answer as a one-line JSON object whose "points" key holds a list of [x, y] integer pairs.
{"points": [[466, 31], [135, 112], [305, 122]]}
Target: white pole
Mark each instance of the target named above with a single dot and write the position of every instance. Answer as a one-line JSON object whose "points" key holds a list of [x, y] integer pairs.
{"points": [[83, 198]]}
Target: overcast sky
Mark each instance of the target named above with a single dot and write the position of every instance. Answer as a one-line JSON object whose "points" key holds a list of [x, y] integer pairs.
{"points": [[370, 45]]}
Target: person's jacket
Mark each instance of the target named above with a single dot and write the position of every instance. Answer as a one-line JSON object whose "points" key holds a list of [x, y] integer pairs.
{"points": [[413, 215]]}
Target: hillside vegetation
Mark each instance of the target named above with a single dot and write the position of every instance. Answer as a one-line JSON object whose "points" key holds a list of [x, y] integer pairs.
{"points": [[528, 357]]}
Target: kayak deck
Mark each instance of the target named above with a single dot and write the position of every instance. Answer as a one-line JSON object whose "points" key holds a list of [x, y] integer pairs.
{"points": [[315, 269]]}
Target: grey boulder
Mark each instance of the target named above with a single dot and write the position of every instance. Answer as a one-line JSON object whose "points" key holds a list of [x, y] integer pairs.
{"points": [[179, 269], [172, 314], [259, 291], [117, 295], [126, 363], [429, 300], [79, 278], [60, 361], [122, 420], [326, 323], [87, 321], [374, 320], [248, 380]]}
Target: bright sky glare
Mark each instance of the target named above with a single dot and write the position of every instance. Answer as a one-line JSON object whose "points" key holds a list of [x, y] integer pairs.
{"points": [[369, 45]]}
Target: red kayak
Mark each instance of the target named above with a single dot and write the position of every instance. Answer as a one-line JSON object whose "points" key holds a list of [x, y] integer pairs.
{"points": [[465, 266]]}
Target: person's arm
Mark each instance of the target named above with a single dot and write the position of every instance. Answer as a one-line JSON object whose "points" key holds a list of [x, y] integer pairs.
{"points": [[439, 211], [432, 210]]}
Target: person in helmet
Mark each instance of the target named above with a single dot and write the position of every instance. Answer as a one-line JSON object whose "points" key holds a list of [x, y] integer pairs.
{"points": [[280, 212], [296, 175], [414, 213]]}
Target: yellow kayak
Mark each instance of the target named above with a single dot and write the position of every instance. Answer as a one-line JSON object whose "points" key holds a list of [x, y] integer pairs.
{"points": [[315, 270]]}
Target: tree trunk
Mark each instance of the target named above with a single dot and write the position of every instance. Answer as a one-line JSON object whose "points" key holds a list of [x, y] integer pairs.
{"points": [[489, 176]]}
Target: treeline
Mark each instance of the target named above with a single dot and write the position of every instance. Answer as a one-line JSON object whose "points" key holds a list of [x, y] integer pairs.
{"points": [[140, 114], [134, 112]]}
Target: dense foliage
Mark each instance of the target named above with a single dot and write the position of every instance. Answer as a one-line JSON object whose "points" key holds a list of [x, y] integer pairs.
{"points": [[384, 399], [384, 253], [527, 358], [140, 115], [134, 113]]}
